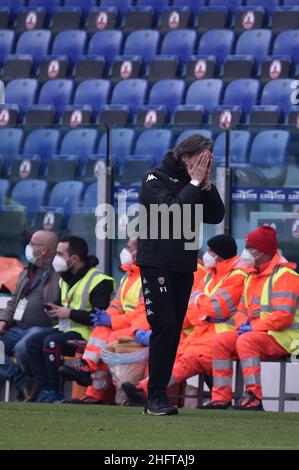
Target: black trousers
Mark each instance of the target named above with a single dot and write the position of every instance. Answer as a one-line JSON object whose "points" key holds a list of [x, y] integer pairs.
{"points": [[166, 295]]}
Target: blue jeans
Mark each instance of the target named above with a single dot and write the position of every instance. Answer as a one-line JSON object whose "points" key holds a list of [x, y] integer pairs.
{"points": [[14, 343]]}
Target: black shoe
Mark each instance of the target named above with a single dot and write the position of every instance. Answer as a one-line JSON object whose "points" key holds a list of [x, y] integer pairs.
{"points": [[79, 372], [135, 395], [217, 405], [250, 403], [160, 407]]}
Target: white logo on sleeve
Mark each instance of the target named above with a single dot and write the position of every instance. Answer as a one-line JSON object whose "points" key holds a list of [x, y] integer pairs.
{"points": [[150, 177]]}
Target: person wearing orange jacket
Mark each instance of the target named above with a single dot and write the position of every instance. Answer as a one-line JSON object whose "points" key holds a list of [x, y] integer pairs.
{"points": [[116, 321], [213, 301], [267, 322]]}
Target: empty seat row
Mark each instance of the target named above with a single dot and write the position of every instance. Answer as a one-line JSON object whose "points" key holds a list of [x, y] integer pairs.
{"points": [[131, 100]]}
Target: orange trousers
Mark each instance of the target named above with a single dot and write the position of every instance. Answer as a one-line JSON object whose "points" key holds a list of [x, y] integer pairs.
{"points": [[101, 378], [250, 348]]}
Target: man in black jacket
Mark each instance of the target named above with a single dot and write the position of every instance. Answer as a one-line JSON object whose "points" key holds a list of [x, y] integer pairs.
{"points": [[167, 265]]}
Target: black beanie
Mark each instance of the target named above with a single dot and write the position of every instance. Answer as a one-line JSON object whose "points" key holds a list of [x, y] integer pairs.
{"points": [[223, 245]]}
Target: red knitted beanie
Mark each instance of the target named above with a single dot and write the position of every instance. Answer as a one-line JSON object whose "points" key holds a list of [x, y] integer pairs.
{"points": [[263, 239]]}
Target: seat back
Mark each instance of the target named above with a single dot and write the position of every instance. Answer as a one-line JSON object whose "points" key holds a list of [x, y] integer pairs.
{"points": [[80, 142], [21, 92], [144, 42], [180, 43], [218, 42], [57, 93], [70, 43], [36, 43]]}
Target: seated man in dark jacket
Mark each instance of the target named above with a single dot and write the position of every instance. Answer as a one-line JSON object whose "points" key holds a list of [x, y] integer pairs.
{"points": [[82, 288]]}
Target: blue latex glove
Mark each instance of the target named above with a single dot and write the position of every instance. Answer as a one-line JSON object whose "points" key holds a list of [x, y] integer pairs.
{"points": [[143, 337], [245, 327], [100, 318]]}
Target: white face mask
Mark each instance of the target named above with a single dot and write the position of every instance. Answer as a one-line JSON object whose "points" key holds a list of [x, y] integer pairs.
{"points": [[247, 257], [59, 264], [209, 261], [30, 256], [126, 257]]}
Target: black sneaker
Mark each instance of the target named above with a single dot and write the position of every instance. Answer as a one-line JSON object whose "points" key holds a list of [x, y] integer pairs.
{"points": [[135, 395], [250, 403], [79, 372], [217, 405], [159, 407]]}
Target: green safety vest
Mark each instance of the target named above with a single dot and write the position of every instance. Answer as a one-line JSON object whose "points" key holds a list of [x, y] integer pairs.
{"points": [[78, 298], [288, 338]]}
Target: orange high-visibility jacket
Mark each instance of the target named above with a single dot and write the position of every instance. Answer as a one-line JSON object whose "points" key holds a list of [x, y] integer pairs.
{"points": [[284, 298], [128, 301]]}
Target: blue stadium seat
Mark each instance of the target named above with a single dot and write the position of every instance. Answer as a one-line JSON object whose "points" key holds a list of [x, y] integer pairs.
{"points": [[269, 148], [243, 93], [205, 132], [7, 38], [31, 194], [155, 143], [21, 92], [4, 188], [287, 43], [10, 143], [194, 5], [206, 93], [239, 147], [70, 43], [231, 5], [157, 5], [180, 43], [218, 42], [14, 5], [36, 43], [85, 5], [144, 43], [48, 5], [131, 93], [256, 42], [121, 5], [269, 5], [134, 168], [93, 94], [107, 44], [80, 142], [167, 93], [290, 3], [56, 93], [121, 145], [42, 142], [90, 196], [67, 195], [278, 92]]}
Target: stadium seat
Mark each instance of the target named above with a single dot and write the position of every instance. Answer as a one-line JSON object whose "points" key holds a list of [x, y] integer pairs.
{"points": [[28, 19], [81, 143], [48, 218], [53, 67], [84, 5], [14, 230], [239, 147], [278, 92], [137, 18], [134, 168], [88, 68], [67, 195], [180, 43], [218, 43], [130, 93], [42, 142], [284, 19], [14, 6], [55, 93], [290, 2], [36, 43], [59, 167], [188, 114], [48, 5], [4, 18], [9, 114], [167, 93], [269, 5], [206, 93], [66, 18], [242, 93], [16, 66], [90, 198], [4, 189], [276, 67], [199, 67], [211, 18], [31, 194], [22, 168], [107, 44], [247, 18], [101, 18], [143, 43], [231, 5], [163, 67], [92, 93], [121, 5], [125, 67], [7, 38], [157, 5], [10, 144], [287, 43], [21, 92], [154, 143], [82, 223], [256, 43], [70, 43], [183, 135], [265, 114], [121, 146], [194, 5], [173, 18]]}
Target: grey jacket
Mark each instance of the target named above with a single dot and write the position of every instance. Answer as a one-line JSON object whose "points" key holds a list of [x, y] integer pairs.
{"points": [[51, 293]]}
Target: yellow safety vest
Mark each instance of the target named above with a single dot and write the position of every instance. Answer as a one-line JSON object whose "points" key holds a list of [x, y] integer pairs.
{"points": [[288, 338], [78, 298], [130, 298]]}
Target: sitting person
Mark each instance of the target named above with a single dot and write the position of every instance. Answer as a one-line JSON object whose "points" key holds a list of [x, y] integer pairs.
{"points": [[267, 322], [82, 289]]}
